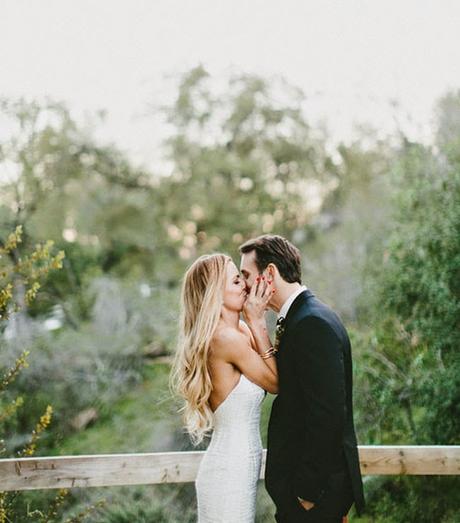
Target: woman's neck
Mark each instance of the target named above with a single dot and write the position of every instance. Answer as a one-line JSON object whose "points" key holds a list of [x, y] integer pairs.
{"points": [[230, 318]]}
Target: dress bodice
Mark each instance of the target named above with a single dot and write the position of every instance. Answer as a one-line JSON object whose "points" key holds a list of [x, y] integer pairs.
{"points": [[239, 413]]}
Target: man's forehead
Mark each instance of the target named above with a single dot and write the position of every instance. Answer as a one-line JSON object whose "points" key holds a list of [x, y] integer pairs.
{"points": [[247, 260]]}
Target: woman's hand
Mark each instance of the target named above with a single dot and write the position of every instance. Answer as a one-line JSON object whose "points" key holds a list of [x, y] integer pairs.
{"points": [[257, 300], [254, 314]]}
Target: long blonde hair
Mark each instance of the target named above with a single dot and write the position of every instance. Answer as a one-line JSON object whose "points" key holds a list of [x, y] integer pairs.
{"points": [[201, 304]]}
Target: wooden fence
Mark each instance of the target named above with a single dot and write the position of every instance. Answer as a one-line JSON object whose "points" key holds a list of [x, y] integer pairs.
{"points": [[104, 470]]}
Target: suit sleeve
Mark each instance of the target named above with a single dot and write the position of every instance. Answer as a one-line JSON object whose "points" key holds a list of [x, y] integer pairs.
{"points": [[320, 372]]}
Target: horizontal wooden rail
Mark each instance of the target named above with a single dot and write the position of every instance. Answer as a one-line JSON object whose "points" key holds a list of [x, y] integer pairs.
{"points": [[103, 470]]}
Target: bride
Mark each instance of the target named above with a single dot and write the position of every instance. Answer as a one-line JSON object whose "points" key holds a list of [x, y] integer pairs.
{"points": [[222, 369]]}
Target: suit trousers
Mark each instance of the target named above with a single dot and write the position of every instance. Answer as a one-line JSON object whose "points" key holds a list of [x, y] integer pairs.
{"points": [[331, 509]]}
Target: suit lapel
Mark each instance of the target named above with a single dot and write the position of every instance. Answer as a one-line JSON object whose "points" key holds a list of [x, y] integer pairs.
{"points": [[292, 315]]}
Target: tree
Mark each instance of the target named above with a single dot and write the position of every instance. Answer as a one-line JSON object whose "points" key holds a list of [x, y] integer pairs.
{"points": [[409, 373], [244, 162], [24, 273]]}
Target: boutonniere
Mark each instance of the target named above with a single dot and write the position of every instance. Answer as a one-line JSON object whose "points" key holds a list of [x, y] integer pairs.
{"points": [[279, 332]]}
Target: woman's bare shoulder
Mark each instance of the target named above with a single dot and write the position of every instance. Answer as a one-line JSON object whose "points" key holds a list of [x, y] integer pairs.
{"points": [[228, 339], [225, 334]]}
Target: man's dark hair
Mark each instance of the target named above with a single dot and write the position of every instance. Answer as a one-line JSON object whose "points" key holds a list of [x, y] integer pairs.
{"points": [[277, 250]]}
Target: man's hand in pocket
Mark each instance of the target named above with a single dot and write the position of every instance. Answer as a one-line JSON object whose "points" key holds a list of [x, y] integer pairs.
{"points": [[307, 505]]}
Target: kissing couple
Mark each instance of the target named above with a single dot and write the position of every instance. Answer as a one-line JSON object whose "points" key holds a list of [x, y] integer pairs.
{"points": [[224, 367]]}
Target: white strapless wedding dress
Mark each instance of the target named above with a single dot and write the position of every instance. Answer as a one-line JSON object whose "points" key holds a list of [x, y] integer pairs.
{"points": [[226, 483]]}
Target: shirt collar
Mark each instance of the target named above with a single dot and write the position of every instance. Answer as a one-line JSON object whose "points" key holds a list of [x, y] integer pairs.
{"points": [[287, 304]]}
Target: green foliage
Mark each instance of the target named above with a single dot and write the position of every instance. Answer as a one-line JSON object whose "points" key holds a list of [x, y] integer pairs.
{"points": [[243, 160], [130, 230], [144, 504], [17, 273], [422, 272], [415, 498], [409, 370], [19, 283], [23, 271]]}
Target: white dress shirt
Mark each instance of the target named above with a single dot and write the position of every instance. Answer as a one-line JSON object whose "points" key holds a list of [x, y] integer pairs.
{"points": [[287, 304]]}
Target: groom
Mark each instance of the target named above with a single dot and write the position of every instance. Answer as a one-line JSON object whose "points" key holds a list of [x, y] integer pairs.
{"points": [[312, 471]]}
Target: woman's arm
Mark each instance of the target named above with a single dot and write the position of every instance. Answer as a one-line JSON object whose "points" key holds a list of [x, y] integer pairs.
{"points": [[254, 313], [234, 347], [259, 333]]}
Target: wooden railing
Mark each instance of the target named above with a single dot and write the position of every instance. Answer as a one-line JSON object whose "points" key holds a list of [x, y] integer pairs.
{"points": [[104, 470]]}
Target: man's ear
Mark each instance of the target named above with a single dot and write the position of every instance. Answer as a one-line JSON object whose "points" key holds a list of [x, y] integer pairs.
{"points": [[271, 271]]}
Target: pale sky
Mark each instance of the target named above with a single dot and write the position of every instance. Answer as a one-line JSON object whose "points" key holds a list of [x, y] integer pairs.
{"points": [[350, 57]]}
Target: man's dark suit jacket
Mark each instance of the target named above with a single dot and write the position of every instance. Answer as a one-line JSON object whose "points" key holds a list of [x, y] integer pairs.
{"points": [[312, 448]]}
